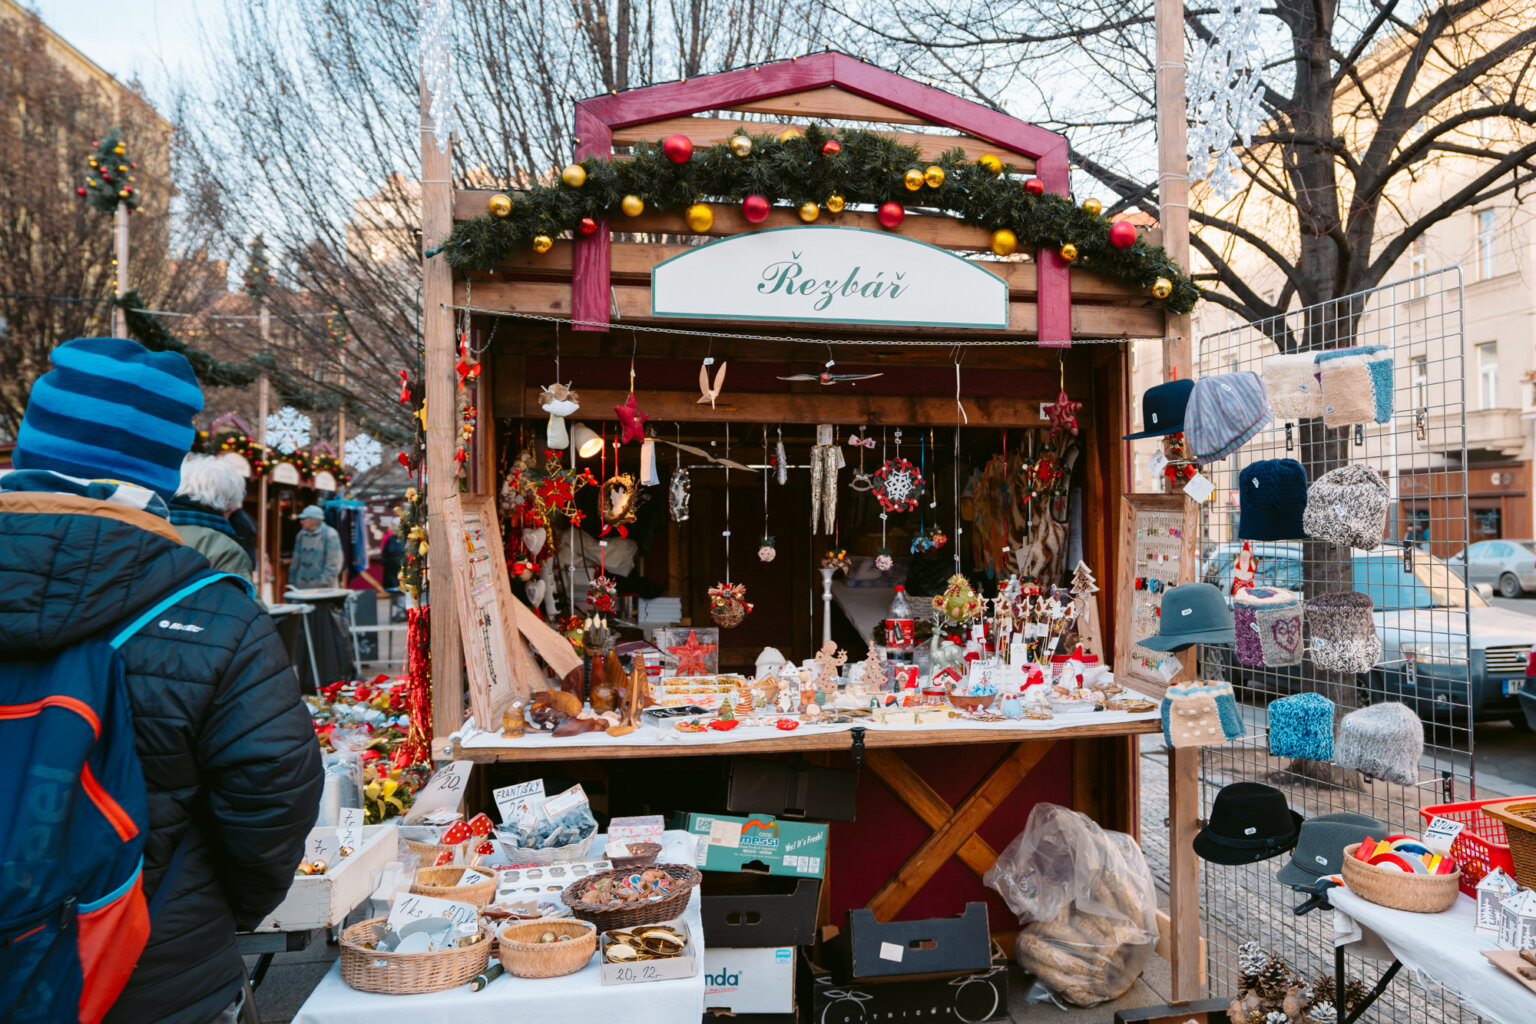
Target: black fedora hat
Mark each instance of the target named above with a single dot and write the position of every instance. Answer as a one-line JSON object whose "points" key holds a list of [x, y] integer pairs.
{"points": [[1162, 408], [1249, 822]]}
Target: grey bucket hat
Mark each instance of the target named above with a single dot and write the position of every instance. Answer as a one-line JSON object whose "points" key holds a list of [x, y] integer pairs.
{"points": [[1320, 846], [1192, 613]]}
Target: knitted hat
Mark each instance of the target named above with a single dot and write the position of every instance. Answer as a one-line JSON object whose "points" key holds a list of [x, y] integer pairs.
{"points": [[1302, 726], [111, 409], [1249, 822], [1272, 494], [1224, 412], [1291, 383], [1267, 622], [1320, 845], [1343, 632], [1357, 385], [1201, 715], [1384, 741], [1162, 408], [312, 512], [1348, 506]]}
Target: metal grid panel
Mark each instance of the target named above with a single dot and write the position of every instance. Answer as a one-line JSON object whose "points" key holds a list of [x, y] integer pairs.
{"points": [[1422, 453]]}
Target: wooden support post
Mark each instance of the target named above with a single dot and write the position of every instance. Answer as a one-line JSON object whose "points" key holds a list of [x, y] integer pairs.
{"points": [[1184, 937], [263, 406], [1173, 170], [120, 259], [439, 383], [975, 853]]}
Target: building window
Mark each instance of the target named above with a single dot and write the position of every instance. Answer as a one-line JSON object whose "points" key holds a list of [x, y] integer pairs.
{"points": [[1485, 237], [1416, 264], [1420, 382], [1488, 375]]}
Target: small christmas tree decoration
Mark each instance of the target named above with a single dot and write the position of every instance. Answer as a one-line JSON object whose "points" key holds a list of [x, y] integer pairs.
{"points": [[835, 203], [1093, 206], [677, 148], [632, 205], [1034, 186], [700, 218], [337, 330], [542, 244], [105, 187], [258, 279], [790, 133], [741, 146], [1004, 242], [1122, 234], [809, 212], [500, 204], [1069, 252], [1162, 287], [587, 226], [933, 175], [872, 672], [831, 147], [891, 214], [913, 179], [755, 207], [574, 175], [990, 163]]}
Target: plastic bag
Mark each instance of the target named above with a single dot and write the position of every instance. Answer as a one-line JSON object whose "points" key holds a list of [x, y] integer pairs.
{"points": [[1086, 901], [343, 775]]}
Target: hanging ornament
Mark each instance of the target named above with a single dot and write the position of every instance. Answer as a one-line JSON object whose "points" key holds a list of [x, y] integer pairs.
{"points": [[1062, 415], [831, 147], [741, 146], [691, 656], [500, 205], [959, 602], [891, 214], [884, 561], [835, 203], [1122, 234], [933, 176], [1243, 569], [1162, 287], [809, 212], [1004, 242], [728, 605], [632, 205], [601, 593], [766, 552], [1034, 186], [1093, 206], [913, 179], [631, 419], [574, 175], [677, 148], [288, 430], [678, 492], [990, 163], [708, 392], [559, 401], [861, 481], [542, 244], [754, 207], [898, 485], [587, 226], [1069, 252], [781, 460], [619, 501], [700, 218], [765, 548], [825, 460], [789, 133], [362, 452]]}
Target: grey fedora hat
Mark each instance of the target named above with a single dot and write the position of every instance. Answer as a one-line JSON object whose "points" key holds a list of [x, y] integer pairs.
{"points": [[1320, 846], [1192, 613]]}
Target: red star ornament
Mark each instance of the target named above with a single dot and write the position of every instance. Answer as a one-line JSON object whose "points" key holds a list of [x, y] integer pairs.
{"points": [[633, 421], [1063, 414], [690, 656]]}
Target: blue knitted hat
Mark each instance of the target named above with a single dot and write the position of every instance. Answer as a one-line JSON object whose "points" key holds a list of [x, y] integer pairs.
{"points": [[111, 409], [1302, 726], [1273, 497]]}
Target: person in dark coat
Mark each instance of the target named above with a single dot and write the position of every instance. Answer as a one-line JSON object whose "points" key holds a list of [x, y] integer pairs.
{"points": [[228, 751]]}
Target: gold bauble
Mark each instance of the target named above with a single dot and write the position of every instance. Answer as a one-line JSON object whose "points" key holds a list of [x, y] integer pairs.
{"points": [[632, 205], [93, 161], [500, 204], [835, 203], [1093, 206], [1004, 242], [1162, 287], [913, 179], [542, 244], [574, 175], [809, 212], [933, 175], [700, 217], [990, 163], [123, 194], [122, 167], [741, 146], [119, 149], [789, 133], [1069, 252]]}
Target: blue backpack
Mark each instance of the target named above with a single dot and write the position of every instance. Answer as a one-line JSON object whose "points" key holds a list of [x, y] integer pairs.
{"points": [[73, 917]]}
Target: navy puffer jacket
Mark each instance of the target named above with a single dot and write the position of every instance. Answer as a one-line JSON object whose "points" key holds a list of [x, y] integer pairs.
{"points": [[227, 748]]}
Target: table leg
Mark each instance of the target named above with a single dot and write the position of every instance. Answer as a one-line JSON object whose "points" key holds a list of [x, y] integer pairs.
{"points": [[263, 962], [913, 790], [309, 642], [1184, 873]]}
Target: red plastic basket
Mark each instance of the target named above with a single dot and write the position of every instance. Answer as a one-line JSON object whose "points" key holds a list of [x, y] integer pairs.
{"points": [[1481, 846]]}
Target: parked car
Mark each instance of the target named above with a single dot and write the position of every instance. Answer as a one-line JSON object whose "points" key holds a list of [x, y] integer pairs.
{"points": [[1509, 566], [1436, 634]]}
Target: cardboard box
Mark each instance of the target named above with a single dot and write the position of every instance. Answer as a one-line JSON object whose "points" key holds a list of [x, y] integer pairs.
{"points": [[792, 789], [323, 901], [739, 981], [673, 967], [760, 843], [751, 910], [974, 997], [1201, 1011], [868, 948]]}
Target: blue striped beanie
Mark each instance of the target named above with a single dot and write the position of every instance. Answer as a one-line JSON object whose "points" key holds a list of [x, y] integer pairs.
{"points": [[111, 409]]}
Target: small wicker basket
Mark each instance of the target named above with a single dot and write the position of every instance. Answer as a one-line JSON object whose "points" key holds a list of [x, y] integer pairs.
{"points": [[426, 851], [405, 974], [639, 913], [1389, 887], [1519, 818], [441, 882], [522, 954]]}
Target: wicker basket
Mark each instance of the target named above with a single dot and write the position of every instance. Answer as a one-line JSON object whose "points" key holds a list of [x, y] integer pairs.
{"points": [[1389, 887], [522, 954], [972, 703], [405, 974], [644, 856], [426, 851], [639, 913], [439, 882], [1519, 818]]}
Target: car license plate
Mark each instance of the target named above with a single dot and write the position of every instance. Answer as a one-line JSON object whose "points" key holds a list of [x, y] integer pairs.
{"points": [[1513, 686]]}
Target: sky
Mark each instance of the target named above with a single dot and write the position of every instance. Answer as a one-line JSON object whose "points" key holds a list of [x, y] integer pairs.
{"points": [[155, 40]]}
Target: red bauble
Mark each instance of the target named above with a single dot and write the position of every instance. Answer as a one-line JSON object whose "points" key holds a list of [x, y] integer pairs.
{"points": [[1122, 234], [677, 148], [755, 208], [80, 191], [831, 147], [892, 214], [1034, 186], [586, 226], [105, 176]]}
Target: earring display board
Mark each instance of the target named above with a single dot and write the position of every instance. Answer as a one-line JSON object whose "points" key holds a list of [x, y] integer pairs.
{"points": [[1158, 533]]}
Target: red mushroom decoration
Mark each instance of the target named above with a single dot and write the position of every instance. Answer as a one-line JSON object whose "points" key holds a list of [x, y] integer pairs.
{"points": [[458, 832], [481, 825], [443, 859]]}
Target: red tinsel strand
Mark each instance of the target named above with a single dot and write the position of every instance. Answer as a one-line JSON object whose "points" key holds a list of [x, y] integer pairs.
{"points": [[417, 747]]}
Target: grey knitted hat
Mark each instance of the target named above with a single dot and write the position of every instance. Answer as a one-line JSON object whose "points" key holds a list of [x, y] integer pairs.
{"points": [[1384, 741], [1348, 506], [1343, 632]]}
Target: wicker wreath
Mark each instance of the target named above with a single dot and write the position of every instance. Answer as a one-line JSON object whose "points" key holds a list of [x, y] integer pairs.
{"points": [[898, 485]]}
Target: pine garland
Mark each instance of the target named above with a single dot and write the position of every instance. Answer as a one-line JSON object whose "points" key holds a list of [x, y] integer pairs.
{"points": [[868, 169]]}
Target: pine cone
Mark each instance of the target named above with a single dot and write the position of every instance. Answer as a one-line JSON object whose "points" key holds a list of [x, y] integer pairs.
{"points": [[1354, 993], [1274, 979], [1251, 959], [1322, 990], [1256, 1017], [1322, 1012], [1277, 1017]]}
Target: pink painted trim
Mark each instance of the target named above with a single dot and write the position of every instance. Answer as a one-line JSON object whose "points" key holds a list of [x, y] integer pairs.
{"points": [[1054, 278], [592, 262]]}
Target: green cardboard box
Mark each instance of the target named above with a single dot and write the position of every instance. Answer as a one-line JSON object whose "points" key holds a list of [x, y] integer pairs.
{"points": [[761, 842]]}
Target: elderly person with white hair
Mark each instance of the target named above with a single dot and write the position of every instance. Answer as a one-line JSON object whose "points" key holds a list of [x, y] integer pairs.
{"points": [[209, 492]]}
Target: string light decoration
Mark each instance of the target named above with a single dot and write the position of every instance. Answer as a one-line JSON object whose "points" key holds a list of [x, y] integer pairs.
{"points": [[1225, 93], [289, 430], [434, 32], [362, 452]]}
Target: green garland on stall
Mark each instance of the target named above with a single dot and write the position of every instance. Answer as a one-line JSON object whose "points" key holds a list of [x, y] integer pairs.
{"points": [[868, 169]]}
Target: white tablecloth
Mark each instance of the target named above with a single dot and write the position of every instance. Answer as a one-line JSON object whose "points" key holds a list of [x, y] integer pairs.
{"points": [[1442, 948], [578, 998]]}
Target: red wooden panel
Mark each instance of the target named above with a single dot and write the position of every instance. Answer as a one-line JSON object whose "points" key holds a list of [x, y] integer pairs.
{"points": [[591, 262]]}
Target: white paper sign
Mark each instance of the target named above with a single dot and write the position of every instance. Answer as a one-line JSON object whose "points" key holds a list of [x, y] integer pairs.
{"points": [[892, 951], [724, 833], [564, 803], [349, 831], [443, 791], [512, 800], [412, 907], [469, 877], [1441, 833], [322, 845], [616, 850], [1200, 488], [1156, 463]]}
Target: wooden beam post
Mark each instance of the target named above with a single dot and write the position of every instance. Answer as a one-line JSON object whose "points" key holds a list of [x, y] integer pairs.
{"points": [[439, 383], [1173, 170], [120, 261], [263, 529], [1184, 937]]}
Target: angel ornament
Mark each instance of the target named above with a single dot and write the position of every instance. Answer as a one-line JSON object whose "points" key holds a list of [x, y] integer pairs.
{"points": [[709, 392], [560, 401], [828, 660]]}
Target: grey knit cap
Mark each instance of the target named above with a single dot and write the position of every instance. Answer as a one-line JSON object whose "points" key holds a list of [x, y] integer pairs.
{"points": [[1348, 506], [1384, 741], [1343, 632]]}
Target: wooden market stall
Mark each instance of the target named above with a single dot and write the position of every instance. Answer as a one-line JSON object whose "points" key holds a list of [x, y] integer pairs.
{"points": [[632, 306]]}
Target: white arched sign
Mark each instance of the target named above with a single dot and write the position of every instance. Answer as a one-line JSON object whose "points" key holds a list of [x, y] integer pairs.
{"points": [[285, 473]]}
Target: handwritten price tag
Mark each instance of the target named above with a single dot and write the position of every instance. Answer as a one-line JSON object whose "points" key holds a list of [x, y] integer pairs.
{"points": [[1441, 833], [349, 831], [443, 792], [511, 800], [322, 845], [412, 907]]}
